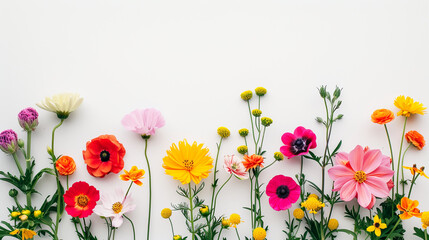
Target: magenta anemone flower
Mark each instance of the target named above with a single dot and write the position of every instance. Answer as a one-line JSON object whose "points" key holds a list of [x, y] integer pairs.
{"points": [[298, 143], [143, 121], [234, 165], [27, 119], [361, 174], [283, 191]]}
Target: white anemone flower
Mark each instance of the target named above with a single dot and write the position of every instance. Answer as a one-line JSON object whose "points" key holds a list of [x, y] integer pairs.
{"points": [[234, 165], [62, 104], [114, 205]]}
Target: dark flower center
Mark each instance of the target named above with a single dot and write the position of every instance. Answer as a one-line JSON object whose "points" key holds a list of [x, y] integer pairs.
{"points": [[377, 225], [282, 191], [104, 156], [300, 145]]}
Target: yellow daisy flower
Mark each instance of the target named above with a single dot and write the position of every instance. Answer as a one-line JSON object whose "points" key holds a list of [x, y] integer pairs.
{"points": [[377, 226], [408, 106], [187, 162]]}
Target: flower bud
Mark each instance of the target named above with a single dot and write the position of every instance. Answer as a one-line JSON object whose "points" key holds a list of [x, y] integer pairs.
{"points": [[243, 132], [15, 214], [266, 121], [260, 91], [242, 149], [8, 141], [256, 112], [26, 212], [166, 213], [13, 193], [319, 120], [21, 143], [278, 156], [337, 92], [49, 150], [28, 119], [225, 223], [223, 132], [23, 217], [298, 213], [177, 237], [37, 213], [246, 95], [204, 211], [322, 91], [333, 224]]}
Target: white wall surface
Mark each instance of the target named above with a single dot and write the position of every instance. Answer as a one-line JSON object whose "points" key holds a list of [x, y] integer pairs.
{"points": [[191, 60]]}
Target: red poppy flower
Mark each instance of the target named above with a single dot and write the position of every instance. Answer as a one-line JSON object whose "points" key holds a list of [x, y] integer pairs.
{"points": [[81, 199], [103, 155]]}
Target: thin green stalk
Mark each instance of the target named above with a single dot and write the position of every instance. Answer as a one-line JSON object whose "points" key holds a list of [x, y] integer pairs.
{"points": [[132, 225], [220, 232], [215, 199], [238, 236], [426, 234], [258, 196], [262, 141], [301, 179], [171, 224], [54, 159], [251, 200], [402, 169], [114, 232], [108, 228], [391, 158], [269, 165], [399, 157], [150, 187], [67, 181], [28, 149], [251, 121], [393, 229], [18, 164], [191, 208], [128, 190], [412, 184]]}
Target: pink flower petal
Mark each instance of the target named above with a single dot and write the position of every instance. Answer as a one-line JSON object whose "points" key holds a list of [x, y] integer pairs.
{"points": [[341, 158], [288, 138], [356, 158], [382, 173], [299, 132], [348, 191], [364, 196], [377, 187], [340, 171], [371, 160]]}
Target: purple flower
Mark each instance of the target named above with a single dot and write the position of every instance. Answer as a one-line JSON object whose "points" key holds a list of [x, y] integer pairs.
{"points": [[298, 143], [8, 141], [28, 119]]}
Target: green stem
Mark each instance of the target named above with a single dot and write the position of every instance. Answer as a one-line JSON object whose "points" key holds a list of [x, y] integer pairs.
{"points": [[67, 181], [251, 200], [402, 169], [220, 232], [393, 229], [251, 121], [399, 157], [128, 190], [258, 197], [215, 199], [150, 187], [132, 225], [191, 208], [301, 179], [391, 158], [268, 166], [54, 159], [238, 236], [28, 149], [18, 164], [262, 141], [412, 184], [108, 228], [171, 224], [426, 234]]}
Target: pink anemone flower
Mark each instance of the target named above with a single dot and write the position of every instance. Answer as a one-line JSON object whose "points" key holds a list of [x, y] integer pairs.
{"points": [[363, 174], [283, 191], [143, 121], [298, 143], [234, 165]]}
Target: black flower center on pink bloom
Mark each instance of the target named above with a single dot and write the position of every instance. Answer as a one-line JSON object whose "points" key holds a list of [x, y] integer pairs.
{"points": [[300, 145], [282, 191], [105, 156]]}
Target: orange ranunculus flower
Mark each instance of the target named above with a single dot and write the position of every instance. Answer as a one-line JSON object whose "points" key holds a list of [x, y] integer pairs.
{"points": [[382, 116], [65, 165], [104, 154], [409, 208], [416, 139], [253, 161], [134, 175]]}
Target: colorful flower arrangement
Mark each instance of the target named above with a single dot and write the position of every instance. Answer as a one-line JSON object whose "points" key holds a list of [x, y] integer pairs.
{"points": [[380, 183]]}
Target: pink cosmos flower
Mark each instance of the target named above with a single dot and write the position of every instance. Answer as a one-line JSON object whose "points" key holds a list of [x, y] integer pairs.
{"points": [[234, 165], [115, 205], [283, 191], [363, 174], [298, 143], [143, 121]]}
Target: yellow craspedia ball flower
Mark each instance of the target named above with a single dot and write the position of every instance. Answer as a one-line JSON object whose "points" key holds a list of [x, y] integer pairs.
{"points": [[246, 95], [425, 220], [266, 121], [243, 132], [333, 224], [242, 149], [278, 156], [313, 205], [177, 237], [37, 213], [166, 213], [259, 233], [223, 132], [260, 91], [313, 196], [256, 112], [298, 213], [15, 214], [234, 219]]}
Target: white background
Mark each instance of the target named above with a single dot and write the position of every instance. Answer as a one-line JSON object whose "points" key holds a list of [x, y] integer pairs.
{"points": [[191, 60]]}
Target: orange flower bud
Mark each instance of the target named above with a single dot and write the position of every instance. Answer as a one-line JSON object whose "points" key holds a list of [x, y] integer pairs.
{"points": [[65, 165], [382, 116]]}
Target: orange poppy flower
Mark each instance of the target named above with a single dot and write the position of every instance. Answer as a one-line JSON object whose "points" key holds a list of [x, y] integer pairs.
{"points": [[253, 161], [134, 175], [103, 155], [382, 116], [409, 208], [416, 139], [65, 165]]}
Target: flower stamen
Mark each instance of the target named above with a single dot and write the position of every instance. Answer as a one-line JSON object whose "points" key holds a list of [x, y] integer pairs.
{"points": [[117, 207], [360, 176], [82, 201]]}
